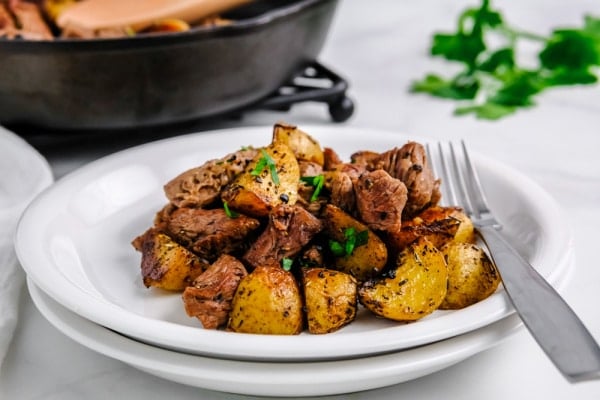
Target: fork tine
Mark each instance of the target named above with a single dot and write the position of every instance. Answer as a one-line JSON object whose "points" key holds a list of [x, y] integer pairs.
{"points": [[447, 183], [458, 181], [435, 163], [474, 184]]}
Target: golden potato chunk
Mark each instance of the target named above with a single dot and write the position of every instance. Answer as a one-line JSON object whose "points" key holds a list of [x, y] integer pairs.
{"points": [[267, 301], [304, 146], [466, 230], [166, 264], [365, 260], [472, 276], [413, 289], [269, 180], [330, 299]]}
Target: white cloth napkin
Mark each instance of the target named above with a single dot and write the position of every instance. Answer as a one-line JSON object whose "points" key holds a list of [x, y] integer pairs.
{"points": [[11, 282], [23, 174]]}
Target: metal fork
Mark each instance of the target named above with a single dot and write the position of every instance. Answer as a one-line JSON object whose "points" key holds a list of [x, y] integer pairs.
{"points": [[550, 320]]}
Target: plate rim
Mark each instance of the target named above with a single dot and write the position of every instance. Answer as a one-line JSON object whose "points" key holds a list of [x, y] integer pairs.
{"points": [[279, 345], [333, 377]]}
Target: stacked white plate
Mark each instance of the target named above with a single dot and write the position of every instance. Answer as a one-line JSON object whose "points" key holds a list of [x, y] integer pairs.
{"points": [[84, 276]]}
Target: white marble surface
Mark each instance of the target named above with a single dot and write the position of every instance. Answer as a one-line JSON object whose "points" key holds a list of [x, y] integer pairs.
{"points": [[380, 47]]}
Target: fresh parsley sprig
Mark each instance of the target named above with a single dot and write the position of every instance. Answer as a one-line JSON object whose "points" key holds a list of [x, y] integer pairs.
{"points": [[492, 83], [352, 240], [266, 161], [230, 213], [315, 181], [286, 263]]}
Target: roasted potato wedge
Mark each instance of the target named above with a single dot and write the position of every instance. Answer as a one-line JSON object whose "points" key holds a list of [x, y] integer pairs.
{"points": [[267, 301], [439, 225], [365, 261], [466, 230], [330, 299], [413, 289], [166, 264], [472, 276], [269, 180], [304, 146]]}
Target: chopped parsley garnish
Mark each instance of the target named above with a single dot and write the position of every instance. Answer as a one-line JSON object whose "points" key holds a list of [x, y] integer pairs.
{"points": [[286, 263], [492, 84], [316, 182], [352, 240], [266, 161], [228, 212]]}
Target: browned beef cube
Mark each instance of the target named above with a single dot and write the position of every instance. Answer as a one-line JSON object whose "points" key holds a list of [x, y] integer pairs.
{"points": [[209, 233], [380, 200], [289, 229], [209, 298]]}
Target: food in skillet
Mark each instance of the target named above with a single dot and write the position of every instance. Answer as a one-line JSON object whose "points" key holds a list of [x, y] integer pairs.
{"points": [[23, 19], [49, 19], [288, 237]]}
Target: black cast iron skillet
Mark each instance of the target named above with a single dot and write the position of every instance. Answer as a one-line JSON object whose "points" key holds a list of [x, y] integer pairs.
{"points": [[161, 79]]}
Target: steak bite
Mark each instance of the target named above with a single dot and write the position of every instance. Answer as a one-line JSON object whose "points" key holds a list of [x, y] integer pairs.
{"points": [[331, 159], [380, 200], [209, 298], [309, 168], [341, 191], [364, 157], [313, 256], [288, 230], [409, 164], [340, 183], [201, 186], [209, 233]]}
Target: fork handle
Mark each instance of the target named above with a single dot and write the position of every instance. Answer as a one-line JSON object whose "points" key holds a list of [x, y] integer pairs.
{"points": [[550, 320]]}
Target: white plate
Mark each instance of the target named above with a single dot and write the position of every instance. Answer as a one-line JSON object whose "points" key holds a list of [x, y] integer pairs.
{"points": [[74, 242], [274, 379]]}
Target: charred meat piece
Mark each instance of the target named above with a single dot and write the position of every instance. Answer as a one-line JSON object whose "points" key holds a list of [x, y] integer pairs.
{"points": [[305, 194], [409, 164], [309, 168], [438, 224], [209, 233], [364, 157], [341, 191], [331, 159], [201, 186], [163, 216], [209, 298], [340, 183], [289, 229], [313, 256], [380, 200]]}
